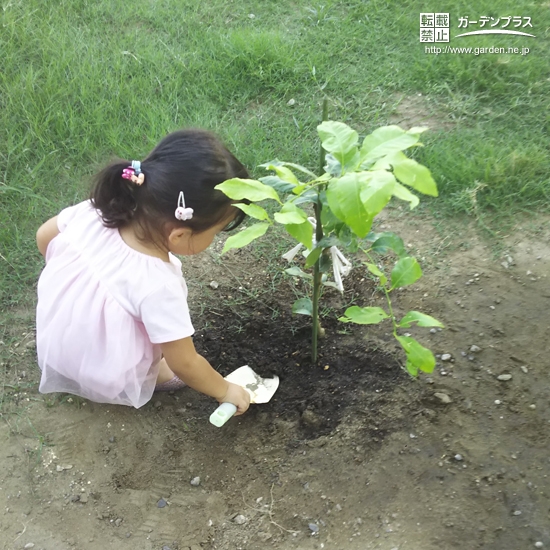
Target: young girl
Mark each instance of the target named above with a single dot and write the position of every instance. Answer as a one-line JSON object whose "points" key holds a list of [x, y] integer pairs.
{"points": [[112, 322]]}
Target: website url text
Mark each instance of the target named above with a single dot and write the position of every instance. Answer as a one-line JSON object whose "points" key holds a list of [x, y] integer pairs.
{"points": [[437, 50]]}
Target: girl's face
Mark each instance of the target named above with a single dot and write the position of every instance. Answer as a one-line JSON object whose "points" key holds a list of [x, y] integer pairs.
{"points": [[184, 243]]}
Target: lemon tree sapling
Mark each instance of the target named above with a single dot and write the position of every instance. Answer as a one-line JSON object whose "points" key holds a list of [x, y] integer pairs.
{"points": [[334, 212]]}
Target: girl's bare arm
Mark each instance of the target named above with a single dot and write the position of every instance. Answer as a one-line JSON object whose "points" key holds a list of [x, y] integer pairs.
{"points": [[45, 234], [197, 373]]}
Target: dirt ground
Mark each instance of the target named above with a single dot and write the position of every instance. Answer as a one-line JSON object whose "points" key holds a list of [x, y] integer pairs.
{"points": [[355, 456]]}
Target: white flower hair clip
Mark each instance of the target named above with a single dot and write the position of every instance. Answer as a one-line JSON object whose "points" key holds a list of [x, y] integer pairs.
{"points": [[182, 213]]}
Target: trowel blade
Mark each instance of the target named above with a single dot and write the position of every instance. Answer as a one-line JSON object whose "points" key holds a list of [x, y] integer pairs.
{"points": [[261, 390]]}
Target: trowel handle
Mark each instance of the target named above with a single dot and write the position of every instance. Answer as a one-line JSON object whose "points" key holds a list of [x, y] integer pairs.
{"points": [[222, 414]]}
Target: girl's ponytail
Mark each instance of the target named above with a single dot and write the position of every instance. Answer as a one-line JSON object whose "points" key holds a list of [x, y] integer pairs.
{"points": [[114, 196], [189, 163]]}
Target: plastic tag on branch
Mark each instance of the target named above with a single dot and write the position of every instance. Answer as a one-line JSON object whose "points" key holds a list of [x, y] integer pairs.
{"points": [[341, 266]]}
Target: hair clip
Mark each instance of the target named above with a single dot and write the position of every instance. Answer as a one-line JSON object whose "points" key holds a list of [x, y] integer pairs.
{"points": [[134, 173], [182, 213]]}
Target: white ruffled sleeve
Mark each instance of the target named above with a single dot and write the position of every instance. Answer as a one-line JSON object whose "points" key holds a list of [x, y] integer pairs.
{"points": [[165, 314], [68, 214]]}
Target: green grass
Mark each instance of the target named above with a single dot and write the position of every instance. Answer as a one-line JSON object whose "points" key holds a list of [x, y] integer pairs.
{"points": [[83, 81]]}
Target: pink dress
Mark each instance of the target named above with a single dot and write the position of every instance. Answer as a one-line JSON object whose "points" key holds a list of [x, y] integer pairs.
{"points": [[103, 309]]}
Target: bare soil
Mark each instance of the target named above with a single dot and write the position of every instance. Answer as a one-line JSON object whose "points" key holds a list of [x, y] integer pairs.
{"points": [[350, 454]]}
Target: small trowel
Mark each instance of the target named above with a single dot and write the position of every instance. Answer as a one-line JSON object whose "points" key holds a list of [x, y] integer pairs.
{"points": [[261, 390]]}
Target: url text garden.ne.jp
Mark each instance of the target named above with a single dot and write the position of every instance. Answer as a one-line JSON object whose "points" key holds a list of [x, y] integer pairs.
{"points": [[437, 50]]}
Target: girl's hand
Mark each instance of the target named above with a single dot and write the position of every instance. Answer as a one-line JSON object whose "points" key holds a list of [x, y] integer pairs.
{"points": [[238, 396]]}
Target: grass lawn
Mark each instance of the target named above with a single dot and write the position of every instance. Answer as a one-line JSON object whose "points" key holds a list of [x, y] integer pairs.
{"points": [[83, 81]]}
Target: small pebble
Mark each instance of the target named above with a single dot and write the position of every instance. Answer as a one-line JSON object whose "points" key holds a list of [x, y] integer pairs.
{"points": [[214, 285], [517, 512], [498, 401], [433, 330], [446, 357], [291, 102], [475, 349], [239, 519], [196, 481], [161, 503], [524, 369], [158, 404], [504, 377], [443, 397], [118, 521], [539, 544], [459, 457], [29, 545], [533, 407], [314, 528]]}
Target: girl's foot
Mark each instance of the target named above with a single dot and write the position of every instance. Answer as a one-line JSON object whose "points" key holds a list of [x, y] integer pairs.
{"points": [[170, 385]]}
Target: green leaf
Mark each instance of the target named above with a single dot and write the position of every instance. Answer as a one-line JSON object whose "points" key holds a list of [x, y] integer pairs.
{"points": [[409, 172], [299, 189], [325, 261], [387, 140], [253, 210], [303, 306], [364, 315], [297, 272], [382, 242], [377, 190], [405, 272], [283, 172], [389, 161], [290, 214], [313, 256], [332, 166], [376, 272], [401, 192], [340, 140], [298, 167], [415, 175], [302, 232], [422, 319], [418, 357], [278, 184], [242, 238], [253, 190], [308, 196], [344, 199]]}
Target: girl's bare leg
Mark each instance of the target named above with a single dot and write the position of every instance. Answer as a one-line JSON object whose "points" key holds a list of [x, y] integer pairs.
{"points": [[165, 374]]}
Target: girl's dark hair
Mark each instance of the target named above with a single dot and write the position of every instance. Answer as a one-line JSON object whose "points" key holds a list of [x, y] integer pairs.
{"points": [[193, 161]]}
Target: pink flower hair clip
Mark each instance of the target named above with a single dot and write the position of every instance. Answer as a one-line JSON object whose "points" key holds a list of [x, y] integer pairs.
{"points": [[134, 173], [182, 213]]}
